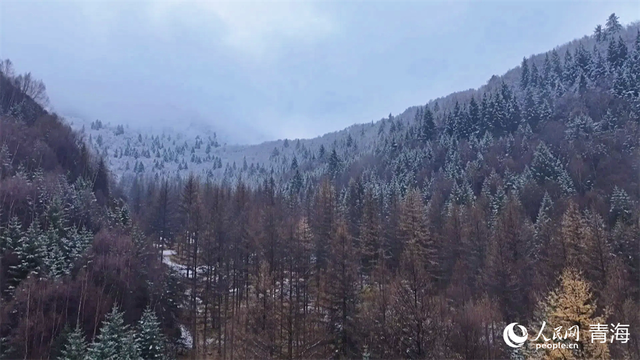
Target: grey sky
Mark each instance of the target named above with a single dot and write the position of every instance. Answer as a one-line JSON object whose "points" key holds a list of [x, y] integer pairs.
{"points": [[267, 70]]}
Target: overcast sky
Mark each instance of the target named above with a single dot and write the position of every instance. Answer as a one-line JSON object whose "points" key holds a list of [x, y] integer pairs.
{"points": [[273, 69]]}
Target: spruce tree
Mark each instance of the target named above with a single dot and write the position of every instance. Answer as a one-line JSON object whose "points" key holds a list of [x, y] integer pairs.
{"points": [[621, 206], [546, 167], [612, 25], [334, 164], [11, 235], [598, 33], [524, 74], [474, 116], [428, 128], [75, 347], [556, 65], [30, 253], [570, 69], [115, 341], [534, 77], [149, 338]]}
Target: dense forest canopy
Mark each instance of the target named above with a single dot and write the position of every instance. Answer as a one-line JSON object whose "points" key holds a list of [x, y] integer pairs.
{"points": [[422, 236]]}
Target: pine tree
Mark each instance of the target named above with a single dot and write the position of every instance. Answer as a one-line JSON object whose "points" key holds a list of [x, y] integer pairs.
{"points": [[75, 347], [598, 33], [547, 72], [531, 110], [524, 74], [149, 338], [612, 25], [30, 253], [546, 167], [556, 65], [11, 235], [334, 164], [474, 116], [621, 206], [428, 127], [609, 122], [570, 69], [597, 68], [582, 58], [115, 341]]}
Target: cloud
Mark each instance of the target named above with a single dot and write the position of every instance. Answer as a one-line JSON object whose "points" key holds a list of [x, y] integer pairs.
{"points": [[255, 27]]}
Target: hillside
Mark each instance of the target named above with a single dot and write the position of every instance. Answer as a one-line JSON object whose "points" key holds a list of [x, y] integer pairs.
{"points": [[67, 242], [171, 153], [426, 235]]}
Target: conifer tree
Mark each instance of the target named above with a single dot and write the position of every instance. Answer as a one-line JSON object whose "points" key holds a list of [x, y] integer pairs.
{"points": [[11, 235], [546, 167], [428, 127], [598, 33], [556, 65], [621, 206], [571, 305], [75, 347], [342, 295], [572, 239], [115, 341], [597, 67], [534, 77], [524, 74], [334, 164], [370, 232], [149, 338], [570, 73], [29, 251], [598, 249], [543, 229], [613, 25], [531, 110]]}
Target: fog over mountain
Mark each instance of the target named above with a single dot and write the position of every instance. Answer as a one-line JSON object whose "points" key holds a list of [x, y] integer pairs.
{"points": [[151, 220], [282, 69]]}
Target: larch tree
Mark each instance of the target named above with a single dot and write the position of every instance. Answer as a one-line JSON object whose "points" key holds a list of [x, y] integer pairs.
{"points": [[342, 296], [570, 305]]}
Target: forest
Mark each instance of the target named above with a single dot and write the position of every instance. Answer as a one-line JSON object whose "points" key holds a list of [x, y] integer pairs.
{"points": [[516, 202]]}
